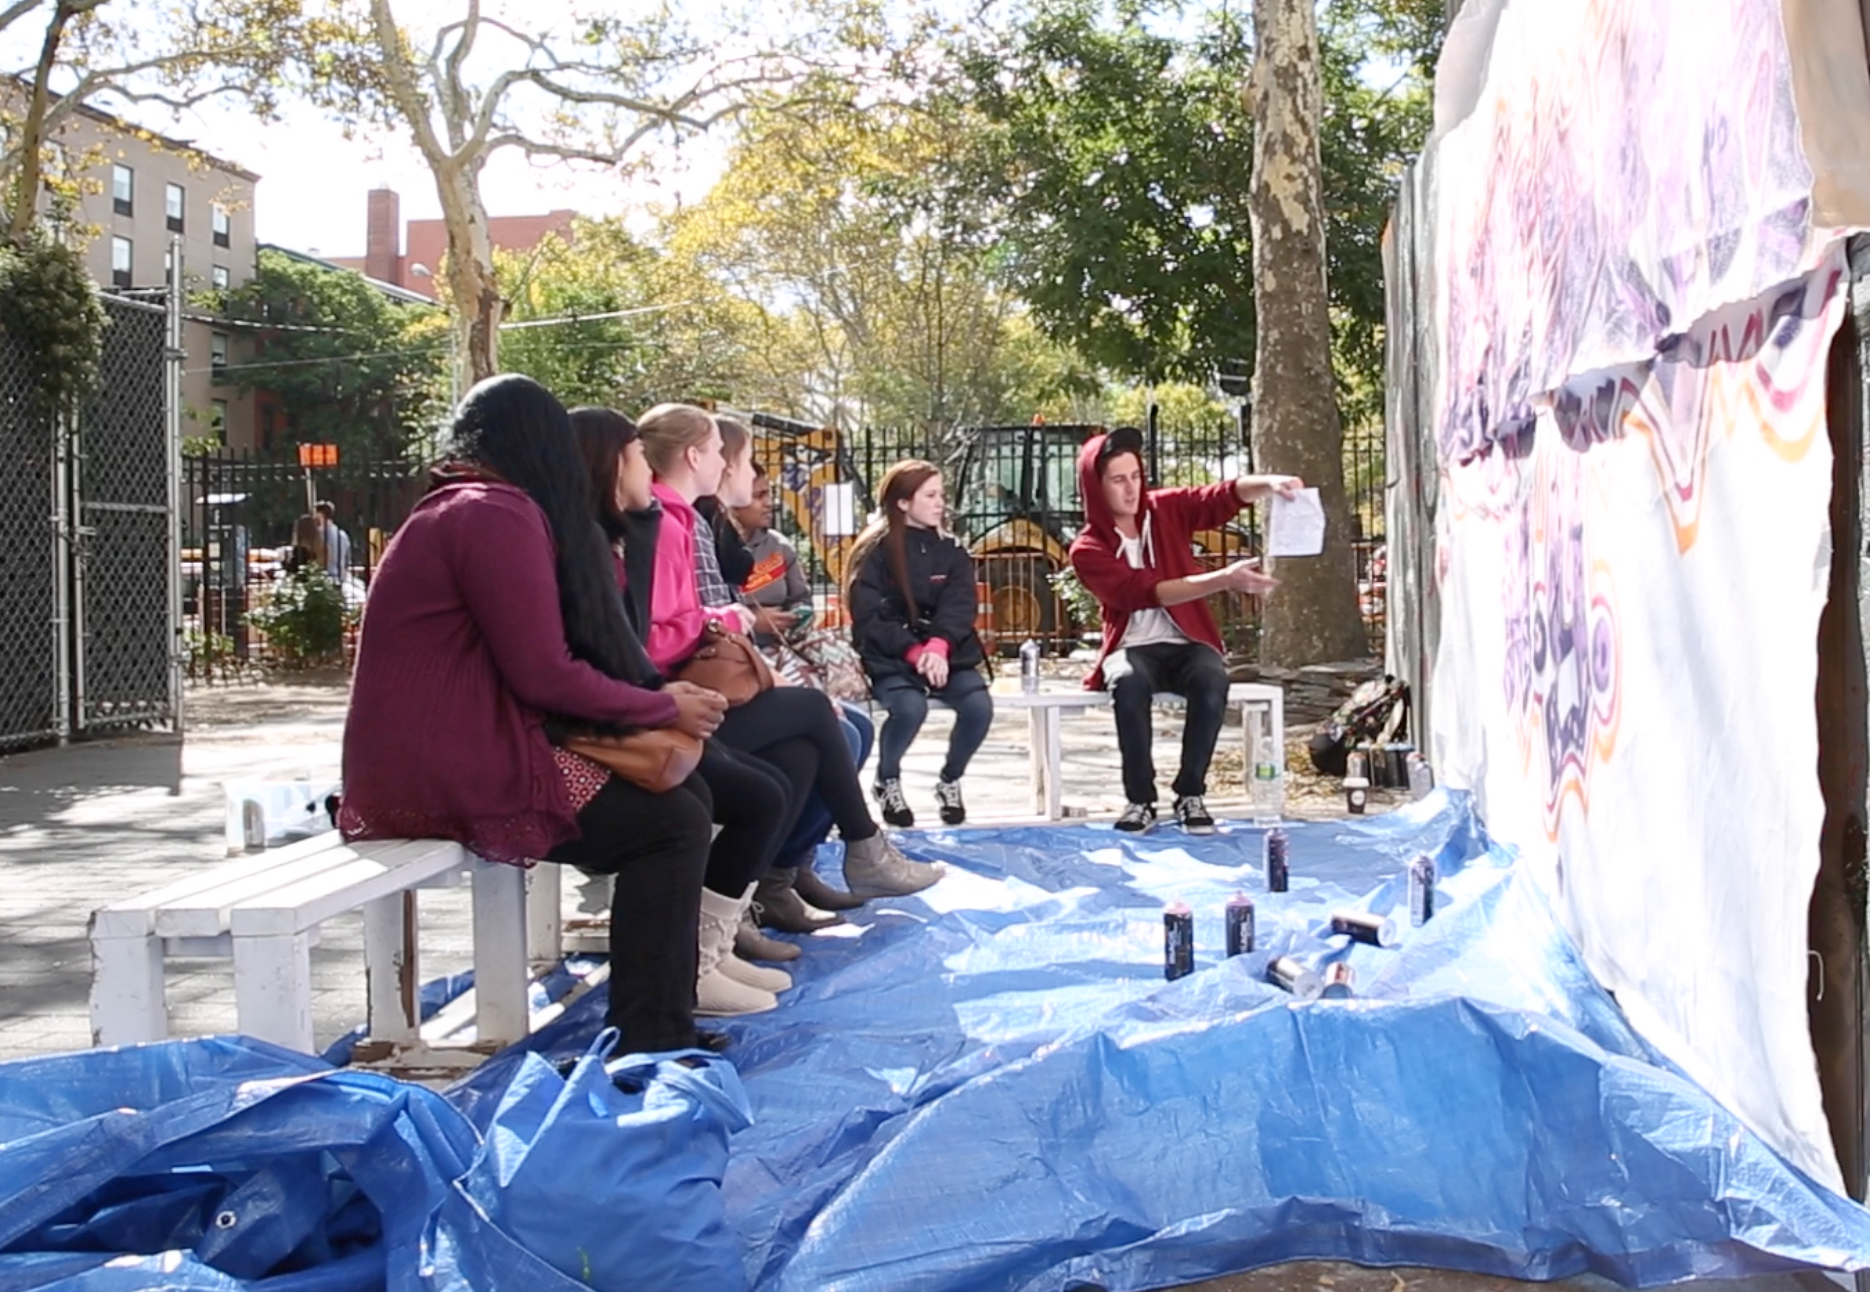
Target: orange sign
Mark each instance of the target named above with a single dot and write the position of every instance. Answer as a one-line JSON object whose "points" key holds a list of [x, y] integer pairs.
{"points": [[318, 455]]}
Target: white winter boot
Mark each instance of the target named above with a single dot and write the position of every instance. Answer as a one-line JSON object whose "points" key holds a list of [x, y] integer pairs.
{"points": [[717, 991]]}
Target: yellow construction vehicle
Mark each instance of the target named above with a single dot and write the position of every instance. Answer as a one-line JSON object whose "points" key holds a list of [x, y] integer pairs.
{"points": [[1013, 500]]}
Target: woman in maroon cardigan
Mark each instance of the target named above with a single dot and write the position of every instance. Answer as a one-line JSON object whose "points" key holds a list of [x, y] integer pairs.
{"points": [[494, 609]]}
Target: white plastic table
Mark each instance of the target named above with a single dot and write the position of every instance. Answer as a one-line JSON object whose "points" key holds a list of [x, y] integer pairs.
{"points": [[1045, 711]]}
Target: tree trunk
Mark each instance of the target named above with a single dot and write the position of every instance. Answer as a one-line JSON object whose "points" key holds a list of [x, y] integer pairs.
{"points": [[25, 196], [1313, 617], [478, 307]]}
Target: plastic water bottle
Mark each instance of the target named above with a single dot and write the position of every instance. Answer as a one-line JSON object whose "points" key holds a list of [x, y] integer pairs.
{"points": [[1029, 667], [1267, 792], [1421, 779]]}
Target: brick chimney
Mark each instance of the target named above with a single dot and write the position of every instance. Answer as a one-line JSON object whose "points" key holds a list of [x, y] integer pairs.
{"points": [[383, 237]]}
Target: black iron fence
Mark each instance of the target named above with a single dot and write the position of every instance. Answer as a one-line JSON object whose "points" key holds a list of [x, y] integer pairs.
{"points": [[1013, 499], [239, 509]]}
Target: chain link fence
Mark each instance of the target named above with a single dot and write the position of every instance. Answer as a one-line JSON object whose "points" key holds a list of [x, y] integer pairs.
{"points": [[29, 638], [86, 631], [120, 487]]}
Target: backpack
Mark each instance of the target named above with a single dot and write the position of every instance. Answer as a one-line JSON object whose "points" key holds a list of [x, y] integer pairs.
{"points": [[1376, 713]]}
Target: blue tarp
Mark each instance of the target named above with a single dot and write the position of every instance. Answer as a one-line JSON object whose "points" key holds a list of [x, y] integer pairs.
{"points": [[990, 1086]]}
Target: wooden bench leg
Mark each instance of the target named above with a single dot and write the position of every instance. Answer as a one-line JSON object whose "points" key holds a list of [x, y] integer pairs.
{"points": [[545, 918], [392, 970], [127, 1004], [500, 977], [273, 988]]}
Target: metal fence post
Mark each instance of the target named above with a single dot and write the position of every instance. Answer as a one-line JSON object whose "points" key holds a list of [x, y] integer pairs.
{"points": [[172, 421], [64, 601]]}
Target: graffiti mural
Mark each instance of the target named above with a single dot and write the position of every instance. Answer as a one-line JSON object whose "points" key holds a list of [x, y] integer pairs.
{"points": [[1640, 168], [1633, 313]]}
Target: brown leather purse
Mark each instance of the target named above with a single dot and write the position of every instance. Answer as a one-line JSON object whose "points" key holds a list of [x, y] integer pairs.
{"points": [[657, 760], [728, 663]]}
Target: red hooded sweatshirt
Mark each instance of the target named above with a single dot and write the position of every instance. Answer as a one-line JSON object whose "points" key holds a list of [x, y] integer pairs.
{"points": [[1097, 554]]}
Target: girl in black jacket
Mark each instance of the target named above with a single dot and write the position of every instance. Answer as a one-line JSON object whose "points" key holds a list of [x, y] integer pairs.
{"points": [[912, 610]]}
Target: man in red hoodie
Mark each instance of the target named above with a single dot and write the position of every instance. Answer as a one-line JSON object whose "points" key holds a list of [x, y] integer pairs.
{"points": [[1136, 556]]}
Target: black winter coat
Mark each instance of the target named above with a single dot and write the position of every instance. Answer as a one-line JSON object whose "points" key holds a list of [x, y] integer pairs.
{"points": [[941, 574]]}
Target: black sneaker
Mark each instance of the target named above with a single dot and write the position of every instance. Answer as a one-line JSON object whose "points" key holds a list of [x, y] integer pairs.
{"points": [[889, 797], [948, 795], [1192, 812], [1137, 818]]}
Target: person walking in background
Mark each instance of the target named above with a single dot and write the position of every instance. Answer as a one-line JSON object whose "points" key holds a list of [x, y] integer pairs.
{"points": [[337, 543], [912, 611], [308, 546], [1136, 556]]}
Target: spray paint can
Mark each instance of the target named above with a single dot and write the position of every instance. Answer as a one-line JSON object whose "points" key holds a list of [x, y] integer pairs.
{"points": [[253, 826], [1178, 941], [1289, 974], [1366, 927], [1239, 924], [1356, 794], [1340, 979], [1421, 890], [1029, 667], [1278, 869]]}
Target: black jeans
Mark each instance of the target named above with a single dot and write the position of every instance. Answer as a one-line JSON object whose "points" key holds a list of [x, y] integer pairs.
{"points": [[656, 845], [754, 805], [1191, 670], [793, 713], [906, 699]]}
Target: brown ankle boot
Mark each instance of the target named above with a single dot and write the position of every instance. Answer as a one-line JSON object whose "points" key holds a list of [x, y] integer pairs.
{"points": [[810, 885], [783, 909]]}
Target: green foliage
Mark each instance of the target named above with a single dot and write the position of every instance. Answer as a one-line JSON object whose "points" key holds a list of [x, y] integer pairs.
{"points": [[305, 619], [608, 362], [1118, 159], [352, 366], [52, 306]]}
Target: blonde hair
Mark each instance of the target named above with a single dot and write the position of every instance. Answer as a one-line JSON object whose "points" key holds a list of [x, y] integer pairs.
{"points": [[670, 430]]}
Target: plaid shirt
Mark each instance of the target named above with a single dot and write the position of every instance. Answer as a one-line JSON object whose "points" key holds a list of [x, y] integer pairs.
{"points": [[714, 589]]}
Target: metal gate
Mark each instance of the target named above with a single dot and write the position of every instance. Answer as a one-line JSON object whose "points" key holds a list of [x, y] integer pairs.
{"points": [[89, 607]]}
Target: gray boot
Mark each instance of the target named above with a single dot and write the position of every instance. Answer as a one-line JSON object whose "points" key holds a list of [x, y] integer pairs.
{"points": [[874, 868], [751, 944]]}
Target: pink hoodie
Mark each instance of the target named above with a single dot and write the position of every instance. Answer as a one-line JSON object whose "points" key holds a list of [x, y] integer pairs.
{"points": [[677, 619]]}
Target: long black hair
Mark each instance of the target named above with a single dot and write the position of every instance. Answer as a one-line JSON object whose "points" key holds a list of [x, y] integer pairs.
{"points": [[515, 427]]}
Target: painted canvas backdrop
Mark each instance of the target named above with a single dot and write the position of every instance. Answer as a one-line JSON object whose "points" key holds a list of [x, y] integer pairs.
{"points": [[1633, 307]]}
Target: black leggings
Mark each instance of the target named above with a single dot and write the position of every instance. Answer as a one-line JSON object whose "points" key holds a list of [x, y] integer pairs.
{"points": [[657, 847], [755, 806], [769, 723]]}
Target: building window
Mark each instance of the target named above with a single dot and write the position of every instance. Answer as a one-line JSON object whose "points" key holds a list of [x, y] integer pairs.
{"points": [[269, 425], [122, 261], [221, 279], [223, 225], [217, 421], [174, 205], [123, 190], [217, 352]]}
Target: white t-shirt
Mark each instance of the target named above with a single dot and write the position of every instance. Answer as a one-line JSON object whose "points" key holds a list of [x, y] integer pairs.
{"points": [[1146, 627]]}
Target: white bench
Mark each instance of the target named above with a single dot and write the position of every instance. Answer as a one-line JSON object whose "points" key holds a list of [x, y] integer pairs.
{"points": [[1045, 711], [264, 911]]}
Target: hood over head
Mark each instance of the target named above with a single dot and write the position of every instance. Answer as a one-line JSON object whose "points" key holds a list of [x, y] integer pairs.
{"points": [[1097, 451]]}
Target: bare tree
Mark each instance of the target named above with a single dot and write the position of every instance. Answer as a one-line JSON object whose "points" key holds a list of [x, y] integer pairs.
{"points": [[173, 57], [591, 89], [1314, 616]]}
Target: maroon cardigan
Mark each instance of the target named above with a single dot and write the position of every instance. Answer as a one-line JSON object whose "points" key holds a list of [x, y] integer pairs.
{"points": [[462, 654]]}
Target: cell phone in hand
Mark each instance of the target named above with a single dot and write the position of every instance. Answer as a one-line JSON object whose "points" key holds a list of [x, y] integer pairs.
{"points": [[802, 617]]}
